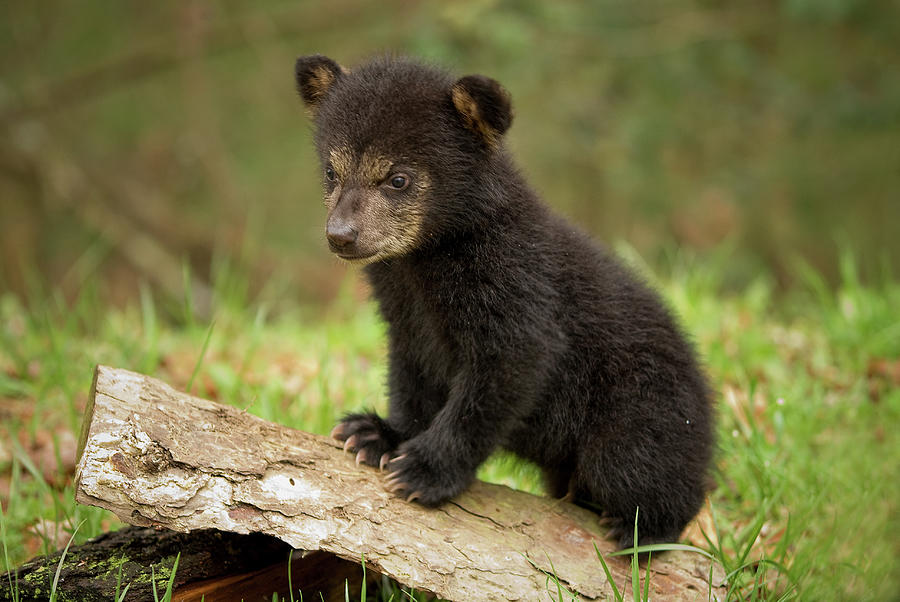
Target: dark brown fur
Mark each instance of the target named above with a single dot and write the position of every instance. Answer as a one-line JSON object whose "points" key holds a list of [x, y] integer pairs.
{"points": [[507, 326]]}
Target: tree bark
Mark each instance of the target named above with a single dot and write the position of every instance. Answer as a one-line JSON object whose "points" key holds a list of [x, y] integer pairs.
{"points": [[158, 457], [212, 565]]}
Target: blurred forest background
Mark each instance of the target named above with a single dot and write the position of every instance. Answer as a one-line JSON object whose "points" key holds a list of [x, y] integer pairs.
{"points": [[137, 135], [155, 159]]}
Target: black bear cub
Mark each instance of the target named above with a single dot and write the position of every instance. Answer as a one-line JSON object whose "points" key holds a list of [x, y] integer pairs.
{"points": [[507, 327]]}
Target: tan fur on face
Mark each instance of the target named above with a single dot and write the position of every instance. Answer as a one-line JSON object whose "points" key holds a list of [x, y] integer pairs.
{"points": [[396, 230], [370, 168], [387, 226], [406, 224], [468, 108], [341, 160], [373, 168]]}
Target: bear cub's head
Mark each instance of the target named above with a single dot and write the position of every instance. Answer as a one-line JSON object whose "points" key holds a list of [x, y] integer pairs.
{"points": [[405, 149]]}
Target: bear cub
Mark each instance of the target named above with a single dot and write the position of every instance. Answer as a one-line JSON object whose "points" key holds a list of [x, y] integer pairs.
{"points": [[507, 327]]}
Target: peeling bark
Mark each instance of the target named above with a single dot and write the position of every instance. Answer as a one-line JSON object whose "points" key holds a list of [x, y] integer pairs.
{"points": [[158, 457]]}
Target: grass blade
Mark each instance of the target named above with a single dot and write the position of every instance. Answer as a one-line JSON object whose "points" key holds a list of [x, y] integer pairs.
{"points": [[362, 595], [203, 349], [609, 578], [13, 586], [635, 569], [290, 585], [121, 597], [59, 565], [664, 547], [167, 596]]}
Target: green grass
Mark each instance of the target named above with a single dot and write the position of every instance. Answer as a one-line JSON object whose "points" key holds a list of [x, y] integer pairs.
{"points": [[809, 403]]}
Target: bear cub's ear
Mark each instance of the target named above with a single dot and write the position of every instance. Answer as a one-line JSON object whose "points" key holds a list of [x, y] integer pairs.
{"points": [[315, 74], [484, 105]]}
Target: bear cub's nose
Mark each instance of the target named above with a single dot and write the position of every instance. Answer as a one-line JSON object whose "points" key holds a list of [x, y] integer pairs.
{"points": [[340, 235]]}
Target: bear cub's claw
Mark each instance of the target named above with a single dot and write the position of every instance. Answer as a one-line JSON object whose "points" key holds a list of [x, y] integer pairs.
{"points": [[415, 476], [368, 436]]}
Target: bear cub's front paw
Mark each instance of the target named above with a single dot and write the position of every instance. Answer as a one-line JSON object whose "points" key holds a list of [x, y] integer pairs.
{"points": [[367, 435], [415, 473]]}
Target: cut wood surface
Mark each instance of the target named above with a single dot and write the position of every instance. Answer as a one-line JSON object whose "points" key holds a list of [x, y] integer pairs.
{"points": [[158, 457]]}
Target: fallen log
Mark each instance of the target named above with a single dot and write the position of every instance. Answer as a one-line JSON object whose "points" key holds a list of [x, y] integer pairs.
{"points": [[158, 457], [212, 566]]}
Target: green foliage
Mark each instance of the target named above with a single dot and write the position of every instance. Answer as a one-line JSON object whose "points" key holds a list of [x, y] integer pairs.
{"points": [[771, 126], [170, 581], [806, 497], [59, 566], [763, 136]]}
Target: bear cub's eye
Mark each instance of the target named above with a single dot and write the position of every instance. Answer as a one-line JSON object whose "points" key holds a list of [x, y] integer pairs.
{"points": [[329, 173], [399, 181]]}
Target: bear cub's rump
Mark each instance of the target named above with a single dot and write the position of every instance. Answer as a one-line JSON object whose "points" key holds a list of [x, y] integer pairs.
{"points": [[507, 327]]}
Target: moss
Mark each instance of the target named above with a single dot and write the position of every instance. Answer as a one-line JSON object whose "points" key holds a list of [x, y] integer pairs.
{"points": [[162, 571], [109, 567], [39, 575]]}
